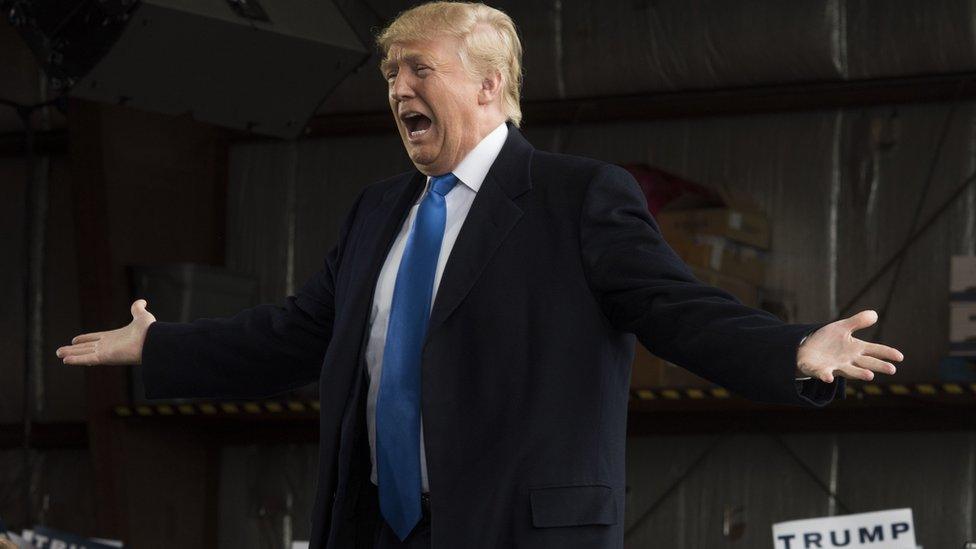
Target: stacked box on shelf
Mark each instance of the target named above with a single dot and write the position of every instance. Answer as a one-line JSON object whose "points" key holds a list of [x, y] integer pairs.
{"points": [[962, 306], [727, 241]]}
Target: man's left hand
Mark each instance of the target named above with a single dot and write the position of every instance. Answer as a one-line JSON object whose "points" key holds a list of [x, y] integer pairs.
{"points": [[833, 351]]}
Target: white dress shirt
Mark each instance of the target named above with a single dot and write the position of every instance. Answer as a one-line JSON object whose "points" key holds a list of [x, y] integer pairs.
{"points": [[471, 173]]}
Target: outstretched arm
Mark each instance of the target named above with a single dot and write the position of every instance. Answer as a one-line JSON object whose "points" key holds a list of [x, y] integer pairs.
{"points": [[261, 351], [645, 288], [258, 352]]}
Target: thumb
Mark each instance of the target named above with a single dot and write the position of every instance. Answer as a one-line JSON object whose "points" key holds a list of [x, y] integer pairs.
{"points": [[138, 307], [862, 319]]}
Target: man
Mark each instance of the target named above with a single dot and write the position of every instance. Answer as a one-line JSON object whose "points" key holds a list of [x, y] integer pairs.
{"points": [[473, 329]]}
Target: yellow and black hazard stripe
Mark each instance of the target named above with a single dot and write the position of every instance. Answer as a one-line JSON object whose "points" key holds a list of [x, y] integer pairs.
{"points": [[866, 390], [307, 407], [265, 408]]}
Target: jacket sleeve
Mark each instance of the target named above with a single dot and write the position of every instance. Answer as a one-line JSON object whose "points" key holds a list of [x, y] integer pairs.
{"points": [[261, 351], [645, 288]]}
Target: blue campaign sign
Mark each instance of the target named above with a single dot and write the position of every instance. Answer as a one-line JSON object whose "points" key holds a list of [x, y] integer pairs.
{"points": [[46, 538], [892, 529]]}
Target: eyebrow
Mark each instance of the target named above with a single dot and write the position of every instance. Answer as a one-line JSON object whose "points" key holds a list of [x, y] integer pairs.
{"points": [[408, 56]]}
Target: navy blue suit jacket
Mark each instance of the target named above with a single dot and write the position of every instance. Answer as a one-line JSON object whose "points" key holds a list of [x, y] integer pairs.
{"points": [[526, 365]]}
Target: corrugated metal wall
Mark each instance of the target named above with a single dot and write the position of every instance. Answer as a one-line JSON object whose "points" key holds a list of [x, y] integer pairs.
{"points": [[63, 399], [580, 48], [286, 202], [61, 488], [765, 480], [266, 495]]}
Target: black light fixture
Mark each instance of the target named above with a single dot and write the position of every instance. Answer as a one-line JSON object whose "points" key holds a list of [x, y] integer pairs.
{"points": [[263, 66]]}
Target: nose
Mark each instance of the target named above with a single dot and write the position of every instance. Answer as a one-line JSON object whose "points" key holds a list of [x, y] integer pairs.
{"points": [[401, 89]]}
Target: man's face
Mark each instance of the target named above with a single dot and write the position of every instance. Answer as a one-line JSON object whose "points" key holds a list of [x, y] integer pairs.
{"points": [[435, 103]]}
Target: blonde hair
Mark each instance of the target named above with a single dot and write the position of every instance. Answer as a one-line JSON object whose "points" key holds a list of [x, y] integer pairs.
{"points": [[488, 36]]}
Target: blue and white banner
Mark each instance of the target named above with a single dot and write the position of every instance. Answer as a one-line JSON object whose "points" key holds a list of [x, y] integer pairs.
{"points": [[46, 538]]}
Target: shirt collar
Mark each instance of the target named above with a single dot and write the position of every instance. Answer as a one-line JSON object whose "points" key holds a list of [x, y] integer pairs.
{"points": [[473, 169]]}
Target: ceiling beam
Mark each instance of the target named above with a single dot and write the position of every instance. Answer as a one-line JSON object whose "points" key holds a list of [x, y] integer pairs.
{"points": [[804, 96]]}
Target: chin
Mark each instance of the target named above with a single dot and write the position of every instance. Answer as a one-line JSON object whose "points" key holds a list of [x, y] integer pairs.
{"points": [[422, 155]]}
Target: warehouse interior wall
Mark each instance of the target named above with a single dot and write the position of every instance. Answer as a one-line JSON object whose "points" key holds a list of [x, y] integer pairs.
{"points": [[846, 191]]}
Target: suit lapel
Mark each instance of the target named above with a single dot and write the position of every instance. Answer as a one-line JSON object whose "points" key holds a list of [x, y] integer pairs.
{"points": [[383, 223], [492, 216]]}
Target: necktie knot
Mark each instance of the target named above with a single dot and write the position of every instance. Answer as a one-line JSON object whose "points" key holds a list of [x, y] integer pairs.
{"points": [[442, 184]]}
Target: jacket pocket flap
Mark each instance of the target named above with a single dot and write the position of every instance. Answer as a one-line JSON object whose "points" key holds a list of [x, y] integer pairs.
{"points": [[572, 505]]}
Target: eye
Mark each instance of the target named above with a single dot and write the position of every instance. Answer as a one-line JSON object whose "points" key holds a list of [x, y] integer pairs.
{"points": [[421, 68]]}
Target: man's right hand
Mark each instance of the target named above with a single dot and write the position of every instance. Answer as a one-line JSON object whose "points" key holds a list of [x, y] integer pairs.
{"points": [[121, 346]]}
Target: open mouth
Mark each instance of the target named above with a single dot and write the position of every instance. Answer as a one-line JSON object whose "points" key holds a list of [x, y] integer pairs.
{"points": [[416, 123]]}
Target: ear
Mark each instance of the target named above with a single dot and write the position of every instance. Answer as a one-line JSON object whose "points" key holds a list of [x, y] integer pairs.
{"points": [[491, 88]]}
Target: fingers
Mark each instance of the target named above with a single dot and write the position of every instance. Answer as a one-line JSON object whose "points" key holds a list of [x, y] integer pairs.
{"points": [[82, 345], [861, 320], [875, 365], [89, 359], [853, 372], [862, 368], [85, 338], [75, 350], [823, 374], [883, 352], [85, 354]]}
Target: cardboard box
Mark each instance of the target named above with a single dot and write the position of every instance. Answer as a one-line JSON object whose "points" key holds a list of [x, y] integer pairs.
{"points": [[738, 225], [962, 321], [723, 256], [963, 349], [962, 278], [962, 306], [652, 372], [747, 293]]}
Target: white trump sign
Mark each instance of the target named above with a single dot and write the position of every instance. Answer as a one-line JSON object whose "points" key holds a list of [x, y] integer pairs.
{"points": [[892, 529]]}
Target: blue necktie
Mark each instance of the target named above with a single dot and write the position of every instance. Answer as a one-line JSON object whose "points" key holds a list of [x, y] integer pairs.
{"points": [[398, 402]]}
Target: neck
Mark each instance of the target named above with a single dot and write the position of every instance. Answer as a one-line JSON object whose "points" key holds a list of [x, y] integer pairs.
{"points": [[488, 124], [485, 126]]}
